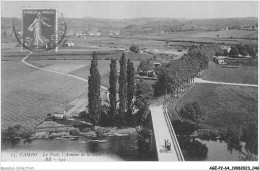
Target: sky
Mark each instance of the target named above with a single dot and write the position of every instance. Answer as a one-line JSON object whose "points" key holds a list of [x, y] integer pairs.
{"points": [[138, 9]]}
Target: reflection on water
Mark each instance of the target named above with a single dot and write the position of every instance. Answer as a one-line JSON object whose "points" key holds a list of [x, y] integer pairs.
{"points": [[195, 149], [234, 146], [192, 149], [118, 148]]}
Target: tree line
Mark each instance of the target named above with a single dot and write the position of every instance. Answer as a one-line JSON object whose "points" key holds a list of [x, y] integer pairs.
{"points": [[128, 102], [241, 49], [176, 75]]}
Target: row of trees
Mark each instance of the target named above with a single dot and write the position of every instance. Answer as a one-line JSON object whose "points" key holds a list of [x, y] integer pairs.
{"points": [[176, 75], [243, 50], [131, 96]]}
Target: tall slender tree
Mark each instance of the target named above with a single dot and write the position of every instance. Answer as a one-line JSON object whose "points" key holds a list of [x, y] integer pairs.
{"points": [[130, 91], [122, 89], [94, 105], [113, 90]]}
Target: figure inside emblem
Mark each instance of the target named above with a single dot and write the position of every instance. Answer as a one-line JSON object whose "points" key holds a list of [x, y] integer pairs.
{"points": [[36, 26]]}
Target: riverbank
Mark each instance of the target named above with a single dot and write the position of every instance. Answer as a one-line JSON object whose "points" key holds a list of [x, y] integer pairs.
{"points": [[54, 130], [226, 123]]}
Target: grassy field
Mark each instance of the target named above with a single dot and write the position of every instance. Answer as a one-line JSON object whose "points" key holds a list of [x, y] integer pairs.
{"points": [[119, 42], [79, 68], [78, 54], [226, 34], [28, 94], [224, 105], [189, 38], [242, 74]]}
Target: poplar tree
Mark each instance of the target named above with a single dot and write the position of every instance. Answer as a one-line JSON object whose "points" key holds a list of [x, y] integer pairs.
{"points": [[94, 101], [122, 89], [130, 91], [112, 89]]}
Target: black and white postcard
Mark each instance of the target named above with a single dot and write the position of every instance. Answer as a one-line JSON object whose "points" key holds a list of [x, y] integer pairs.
{"points": [[150, 85]]}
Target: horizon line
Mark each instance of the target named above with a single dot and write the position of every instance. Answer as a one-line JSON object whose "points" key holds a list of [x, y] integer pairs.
{"points": [[153, 17]]}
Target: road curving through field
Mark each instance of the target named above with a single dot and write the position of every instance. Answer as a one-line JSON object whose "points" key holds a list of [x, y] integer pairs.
{"points": [[57, 72]]}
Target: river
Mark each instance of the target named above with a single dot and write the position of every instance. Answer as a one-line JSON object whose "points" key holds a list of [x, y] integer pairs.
{"points": [[111, 148], [208, 150]]}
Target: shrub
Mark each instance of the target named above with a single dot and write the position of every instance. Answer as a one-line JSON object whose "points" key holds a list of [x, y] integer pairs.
{"points": [[184, 127], [104, 119], [233, 51], [134, 48], [74, 131], [191, 111], [15, 131]]}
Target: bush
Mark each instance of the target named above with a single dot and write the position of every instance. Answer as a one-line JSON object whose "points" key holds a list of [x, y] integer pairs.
{"points": [[233, 51], [207, 134], [184, 128], [105, 119], [134, 48], [191, 111], [15, 131], [74, 132]]}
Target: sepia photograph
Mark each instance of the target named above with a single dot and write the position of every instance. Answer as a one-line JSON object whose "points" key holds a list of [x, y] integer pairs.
{"points": [[139, 81]]}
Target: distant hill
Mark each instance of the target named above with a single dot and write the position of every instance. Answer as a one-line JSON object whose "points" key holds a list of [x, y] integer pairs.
{"points": [[142, 24], [168, 24], [85, 24]]}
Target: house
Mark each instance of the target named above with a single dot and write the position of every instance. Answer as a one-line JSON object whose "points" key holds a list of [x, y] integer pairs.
{"points": [[69, 44], [94, 33], [156, 64], [79, 33], [91, 33], [241, 56], [225, 28], [114, 33], [219, 60], [121, 50], [225, 47], [151, 73], [57, 112], [161, 32], [98, 34]]}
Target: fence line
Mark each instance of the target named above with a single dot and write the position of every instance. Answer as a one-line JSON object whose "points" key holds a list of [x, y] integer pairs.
{"points": [[173, 135]]}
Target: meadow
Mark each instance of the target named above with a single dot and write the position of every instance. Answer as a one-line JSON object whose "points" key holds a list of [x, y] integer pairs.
{"points": [[224, 105], [242, 74], [29, 94], [227, 34], [188, 38]]}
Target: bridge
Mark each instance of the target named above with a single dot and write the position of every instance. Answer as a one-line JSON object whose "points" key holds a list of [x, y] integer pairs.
{"points": [[164, 130]]}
